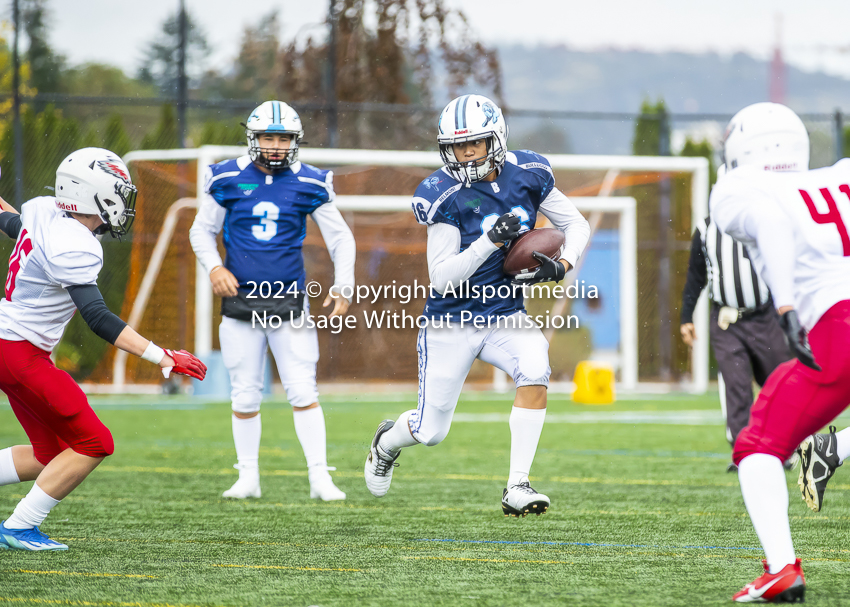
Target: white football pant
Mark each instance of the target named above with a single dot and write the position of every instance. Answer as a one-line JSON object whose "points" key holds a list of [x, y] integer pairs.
{"points": [[446, 356], [243, 349]]}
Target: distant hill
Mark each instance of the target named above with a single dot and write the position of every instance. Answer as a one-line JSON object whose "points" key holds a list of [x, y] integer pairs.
{"points": [[558, 78]]}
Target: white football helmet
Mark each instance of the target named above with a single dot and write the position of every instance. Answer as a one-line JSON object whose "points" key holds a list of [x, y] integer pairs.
{"points": [[470, 118], [770, 135], [94, 181], [279, 118]]}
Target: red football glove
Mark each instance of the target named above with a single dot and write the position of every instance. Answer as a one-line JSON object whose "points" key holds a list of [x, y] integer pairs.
{"points": [[185, 363]]}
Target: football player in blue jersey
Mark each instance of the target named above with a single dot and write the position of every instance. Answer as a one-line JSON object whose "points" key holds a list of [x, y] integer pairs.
{"points": [[481, 200], [262, 201]]}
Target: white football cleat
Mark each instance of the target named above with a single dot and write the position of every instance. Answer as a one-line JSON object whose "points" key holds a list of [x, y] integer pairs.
{"points": [[521, 499], [379, 464], [322, 486], [247, 486]]}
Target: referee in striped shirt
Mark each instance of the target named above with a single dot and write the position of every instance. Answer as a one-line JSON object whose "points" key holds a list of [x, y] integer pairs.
{"points": [[744, 331]]}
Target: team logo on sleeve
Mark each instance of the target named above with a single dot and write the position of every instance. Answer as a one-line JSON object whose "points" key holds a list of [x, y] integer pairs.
{"points": [[114, 169], [432, 182]]}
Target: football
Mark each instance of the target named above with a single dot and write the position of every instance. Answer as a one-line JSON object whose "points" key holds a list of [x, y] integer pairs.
{"points": [[518, 258]]}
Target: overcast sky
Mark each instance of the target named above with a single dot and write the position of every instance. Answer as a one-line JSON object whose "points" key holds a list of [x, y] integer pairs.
{"points": [[816, 33]]}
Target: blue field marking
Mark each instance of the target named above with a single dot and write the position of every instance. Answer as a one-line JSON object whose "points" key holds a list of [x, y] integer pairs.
{"points": [[642, 453], [693, 417], [588, 544]]}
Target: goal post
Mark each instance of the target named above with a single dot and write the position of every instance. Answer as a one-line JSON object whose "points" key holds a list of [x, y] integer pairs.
{"points": [[624, 207]]}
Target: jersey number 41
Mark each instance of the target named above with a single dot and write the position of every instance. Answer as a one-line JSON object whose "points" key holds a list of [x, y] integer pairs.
{"points": [[832, 215]]}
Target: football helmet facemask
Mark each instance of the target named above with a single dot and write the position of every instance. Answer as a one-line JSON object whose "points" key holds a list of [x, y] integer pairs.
{"points": [[94, 181], [769, 135], [276, 118], [471, 118]]}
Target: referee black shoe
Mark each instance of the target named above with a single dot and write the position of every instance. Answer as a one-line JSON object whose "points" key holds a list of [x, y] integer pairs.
{"points": [[818, 461]]}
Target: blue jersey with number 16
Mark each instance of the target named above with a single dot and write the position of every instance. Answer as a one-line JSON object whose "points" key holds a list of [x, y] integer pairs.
{"points": [[266, 218], [526, 179]]}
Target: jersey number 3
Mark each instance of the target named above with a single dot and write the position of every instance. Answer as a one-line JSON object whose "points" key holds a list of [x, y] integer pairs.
{"points": [[17, 261], [269, 212], [832, 215]]}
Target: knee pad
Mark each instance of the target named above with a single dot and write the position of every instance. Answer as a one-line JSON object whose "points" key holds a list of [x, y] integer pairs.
{"points": [[431, 426], [246, 402], [302, 394], [532, 370], [432, 437]]}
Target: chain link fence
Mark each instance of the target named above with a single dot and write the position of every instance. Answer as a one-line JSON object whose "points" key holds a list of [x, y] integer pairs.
{"points": [[390, 246]]}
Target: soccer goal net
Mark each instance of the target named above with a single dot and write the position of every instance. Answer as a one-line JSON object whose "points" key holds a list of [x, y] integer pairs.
{"points": [[620, 305]]}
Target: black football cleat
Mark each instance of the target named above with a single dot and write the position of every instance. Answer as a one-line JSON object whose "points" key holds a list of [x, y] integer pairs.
{"points": [[818, 462]]}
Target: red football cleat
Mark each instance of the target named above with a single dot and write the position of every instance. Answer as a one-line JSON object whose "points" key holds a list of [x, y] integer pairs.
{"points": [[787, 586]]}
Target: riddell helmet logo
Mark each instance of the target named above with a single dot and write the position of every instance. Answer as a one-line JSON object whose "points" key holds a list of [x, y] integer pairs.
{"points": [[65, 206], [115, 169], [462, 132], [786, 166]]}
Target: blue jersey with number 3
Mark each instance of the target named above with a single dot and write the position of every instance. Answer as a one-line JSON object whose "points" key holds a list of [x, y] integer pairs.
{"points": [[524, 182], [266, 218]]}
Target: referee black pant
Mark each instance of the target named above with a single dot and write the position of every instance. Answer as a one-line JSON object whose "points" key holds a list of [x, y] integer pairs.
{"points": [[748, 349]]}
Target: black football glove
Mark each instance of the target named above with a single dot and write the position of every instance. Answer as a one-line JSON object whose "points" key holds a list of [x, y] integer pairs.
{"points": [[549, 271], [798, 340], [505, 229]]}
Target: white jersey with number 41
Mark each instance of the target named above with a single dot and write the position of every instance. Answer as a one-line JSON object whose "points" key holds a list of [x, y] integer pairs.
{"points": [[53, 251], [795, 225]]}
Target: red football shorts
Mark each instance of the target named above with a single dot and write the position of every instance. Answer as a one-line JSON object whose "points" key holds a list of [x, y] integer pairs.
{"points": [[798, 401], [49, 404]]}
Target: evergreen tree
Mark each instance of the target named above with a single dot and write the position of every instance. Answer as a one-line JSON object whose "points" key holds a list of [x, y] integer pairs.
{"points": [[160, 65], [115, 137], [647, 141], [228, 132], [704, 149], [45, 64], [48, 137], [165, 134], [847, 141]]}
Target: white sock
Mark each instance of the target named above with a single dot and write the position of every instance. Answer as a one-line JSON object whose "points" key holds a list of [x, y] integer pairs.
{"points": [[246, 437], [842, 440], [398, 437], [526, 426], [32, 510], [765, 494], [310, 430], [8, 473]]}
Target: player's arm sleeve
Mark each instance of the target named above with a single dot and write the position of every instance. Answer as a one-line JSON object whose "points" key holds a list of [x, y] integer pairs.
{"points": [[10, 223], [100, 320], [447, 266], [696, 280], [208, 223], [340, 242], [750, 215], [566, 217]]}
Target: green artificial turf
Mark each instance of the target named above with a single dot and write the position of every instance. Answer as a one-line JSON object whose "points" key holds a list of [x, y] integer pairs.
{"points": [[642, 514]]}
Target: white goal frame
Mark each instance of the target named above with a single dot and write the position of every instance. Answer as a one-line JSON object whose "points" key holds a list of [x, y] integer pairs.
{"points": [[625, 206]]}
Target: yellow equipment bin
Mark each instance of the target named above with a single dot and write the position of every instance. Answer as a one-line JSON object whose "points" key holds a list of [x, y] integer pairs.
{"points": [[594, 383]]}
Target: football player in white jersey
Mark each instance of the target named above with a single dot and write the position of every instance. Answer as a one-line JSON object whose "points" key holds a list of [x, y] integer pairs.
{"points": [[794, 224], [53, 274], [261, 201], [483, 198]]}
